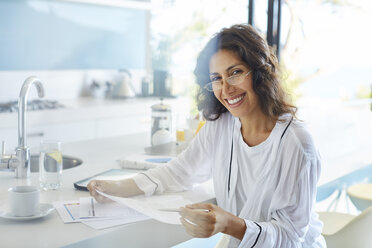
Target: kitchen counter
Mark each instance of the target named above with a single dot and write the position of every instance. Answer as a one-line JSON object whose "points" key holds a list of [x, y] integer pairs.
{"points": [[87, 108], [97, 155], [86, 119]]}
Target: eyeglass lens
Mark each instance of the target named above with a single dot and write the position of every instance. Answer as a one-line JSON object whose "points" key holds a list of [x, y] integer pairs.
{"points": [[232, 80]]}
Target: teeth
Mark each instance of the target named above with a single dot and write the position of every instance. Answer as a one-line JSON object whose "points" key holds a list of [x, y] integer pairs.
{"points": [[236, 100]]}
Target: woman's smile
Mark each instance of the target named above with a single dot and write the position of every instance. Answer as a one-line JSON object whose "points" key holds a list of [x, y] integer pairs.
{"points": [[235, 101]]}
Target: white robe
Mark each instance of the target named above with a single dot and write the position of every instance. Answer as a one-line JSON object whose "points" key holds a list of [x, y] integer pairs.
{"points": [[272, 185]]}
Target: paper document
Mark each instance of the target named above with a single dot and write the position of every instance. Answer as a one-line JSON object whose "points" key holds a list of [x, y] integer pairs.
{"points": [[96, 215], [68, 211], [151, 206], [107, 223], [90, 208], [167, 149]]}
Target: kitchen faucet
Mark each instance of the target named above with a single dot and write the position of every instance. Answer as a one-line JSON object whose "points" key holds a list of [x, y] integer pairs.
{"points": [[20, 161]]}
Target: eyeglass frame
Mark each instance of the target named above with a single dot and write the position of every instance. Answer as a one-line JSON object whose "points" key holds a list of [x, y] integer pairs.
{"points": [[227, 81]]}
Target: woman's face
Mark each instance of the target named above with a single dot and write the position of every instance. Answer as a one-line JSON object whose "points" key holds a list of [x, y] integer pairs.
{"points": [[239, 99]]}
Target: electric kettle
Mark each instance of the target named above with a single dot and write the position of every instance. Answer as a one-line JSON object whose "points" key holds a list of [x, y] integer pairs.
{"points": [[123, 87]]}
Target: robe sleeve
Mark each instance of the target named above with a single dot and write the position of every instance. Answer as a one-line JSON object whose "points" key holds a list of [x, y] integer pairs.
{"points": [[289, 225], [191, 167]]}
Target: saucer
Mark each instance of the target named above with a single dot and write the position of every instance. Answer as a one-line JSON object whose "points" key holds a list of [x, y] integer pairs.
{"points": [[44, 210]]}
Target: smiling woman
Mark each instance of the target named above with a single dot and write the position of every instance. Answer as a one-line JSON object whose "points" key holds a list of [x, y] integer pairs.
{"points": [[262, 160]]}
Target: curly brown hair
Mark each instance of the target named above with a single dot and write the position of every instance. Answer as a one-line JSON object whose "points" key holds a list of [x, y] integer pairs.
{"points": [[253, 50]]}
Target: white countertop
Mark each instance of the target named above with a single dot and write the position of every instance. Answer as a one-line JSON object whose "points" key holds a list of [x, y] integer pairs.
{"points": [[97, 155]]}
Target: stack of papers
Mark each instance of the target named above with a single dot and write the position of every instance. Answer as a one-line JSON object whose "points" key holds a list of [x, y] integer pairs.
{"points": [[96, 215], [143, 161], [163, 208], [167, 149]]}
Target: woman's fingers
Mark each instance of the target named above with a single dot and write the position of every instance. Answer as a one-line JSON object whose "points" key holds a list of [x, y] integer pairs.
{"points": [[91, 186], [206, 206], [204, 219], [199, 212], [199, 219], [196, 230], [100, 185], [197, 215]]}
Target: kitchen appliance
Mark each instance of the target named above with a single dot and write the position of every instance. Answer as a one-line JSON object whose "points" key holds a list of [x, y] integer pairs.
{"points": [[31, 105], [161, 123], [123, 87], [162, 83]]}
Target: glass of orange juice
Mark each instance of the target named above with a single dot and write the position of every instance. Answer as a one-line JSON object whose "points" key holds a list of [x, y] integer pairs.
{"points": [[180, 128], [180, 135]]}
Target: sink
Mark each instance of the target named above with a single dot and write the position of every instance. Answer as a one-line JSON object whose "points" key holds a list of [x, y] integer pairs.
{"points": [[68, 162]]}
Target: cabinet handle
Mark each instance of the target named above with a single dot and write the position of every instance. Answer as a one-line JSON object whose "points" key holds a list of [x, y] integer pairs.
{"points": [[31, 135]]}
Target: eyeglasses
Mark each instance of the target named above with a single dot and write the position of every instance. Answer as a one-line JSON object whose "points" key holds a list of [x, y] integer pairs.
{"points": [[216, 85]]}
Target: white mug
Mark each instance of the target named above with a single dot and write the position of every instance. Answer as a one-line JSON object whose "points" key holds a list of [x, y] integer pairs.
{"points": [[24, 200]]}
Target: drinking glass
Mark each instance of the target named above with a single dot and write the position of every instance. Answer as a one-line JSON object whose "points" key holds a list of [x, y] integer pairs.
{"points": [[50, 165], [180, 127]]}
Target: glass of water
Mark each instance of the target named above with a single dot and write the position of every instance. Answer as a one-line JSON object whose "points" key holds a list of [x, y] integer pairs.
{"points": [[50, 165]]}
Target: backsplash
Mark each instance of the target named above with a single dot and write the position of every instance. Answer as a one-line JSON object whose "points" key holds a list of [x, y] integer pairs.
{"points": [[68, 44], [60, 84]]}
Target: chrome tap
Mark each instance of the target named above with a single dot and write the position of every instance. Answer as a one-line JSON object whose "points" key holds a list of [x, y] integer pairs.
{"points": [[20, 161]]}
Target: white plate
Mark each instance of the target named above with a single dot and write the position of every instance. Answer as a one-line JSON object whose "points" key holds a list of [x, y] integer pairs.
{"points": [[45, 209]]}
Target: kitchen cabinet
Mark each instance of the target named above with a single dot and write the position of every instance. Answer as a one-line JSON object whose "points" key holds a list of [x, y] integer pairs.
{"points": [[65, 132], [83, 119]]}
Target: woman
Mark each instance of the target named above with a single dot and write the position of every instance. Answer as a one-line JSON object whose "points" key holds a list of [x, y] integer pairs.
{"points": [[263, 161]]}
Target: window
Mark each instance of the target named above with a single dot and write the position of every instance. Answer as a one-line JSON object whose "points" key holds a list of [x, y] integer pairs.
{"points": [[179, 31], [325, 57], [326, 60]]}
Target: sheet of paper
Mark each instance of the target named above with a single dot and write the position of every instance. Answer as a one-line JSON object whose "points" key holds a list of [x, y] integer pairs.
{"points": [[109, 215], [143, 161], [90, 208], [150, 205], [107, 223], [68, 210]]}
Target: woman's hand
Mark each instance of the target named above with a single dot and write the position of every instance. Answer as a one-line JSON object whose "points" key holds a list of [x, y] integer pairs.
{"points": [[122, 188], [104, 186], [203, 224]]}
